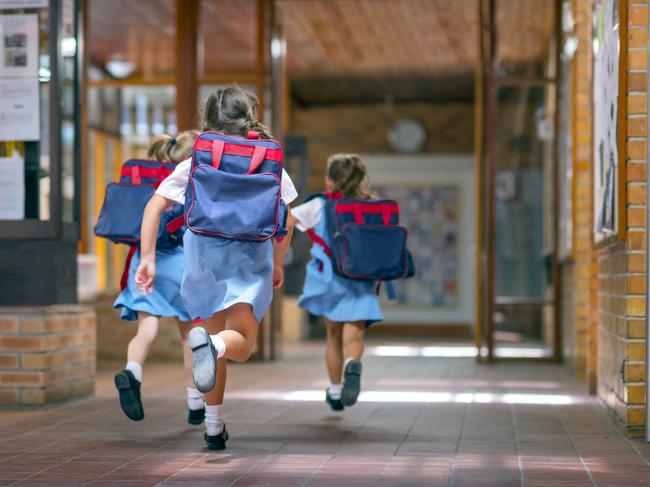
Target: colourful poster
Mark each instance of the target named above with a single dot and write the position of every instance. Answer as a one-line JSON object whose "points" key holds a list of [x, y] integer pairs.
{"points": [[606, 64]]}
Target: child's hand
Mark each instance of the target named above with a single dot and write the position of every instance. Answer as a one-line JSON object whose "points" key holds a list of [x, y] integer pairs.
{"points": [[145, 275], [278, 276]]}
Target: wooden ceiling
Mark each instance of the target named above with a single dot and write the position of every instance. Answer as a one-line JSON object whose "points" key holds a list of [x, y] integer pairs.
{"points": [[338, 50]]}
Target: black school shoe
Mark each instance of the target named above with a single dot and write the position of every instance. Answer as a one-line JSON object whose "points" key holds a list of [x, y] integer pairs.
{"points": [[351, 383], [335, 404], [196, 416], [129, 389], [204, 369], [216, 442]]}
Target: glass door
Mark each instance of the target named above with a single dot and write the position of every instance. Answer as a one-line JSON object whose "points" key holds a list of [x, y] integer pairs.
{"points": [[519, 208]]}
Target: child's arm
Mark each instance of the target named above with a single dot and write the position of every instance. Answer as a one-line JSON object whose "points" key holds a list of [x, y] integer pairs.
{"points": [[146, 272], [279, 251]]}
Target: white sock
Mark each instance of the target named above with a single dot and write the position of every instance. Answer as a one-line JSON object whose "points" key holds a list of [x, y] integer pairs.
{"points": [[335, 390], [214, 419], [348, 360], [136, 370], [219, 345], [194, 399]]}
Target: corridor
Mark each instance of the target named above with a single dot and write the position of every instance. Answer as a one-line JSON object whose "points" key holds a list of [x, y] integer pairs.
{"points": [[424, 419]]}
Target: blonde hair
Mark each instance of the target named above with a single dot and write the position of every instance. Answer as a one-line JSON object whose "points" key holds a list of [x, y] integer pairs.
{"points": [[233, 111], [165, 148], [349, 175]]}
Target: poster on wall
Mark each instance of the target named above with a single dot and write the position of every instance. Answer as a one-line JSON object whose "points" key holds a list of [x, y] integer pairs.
{"points": [[19, 93], [606, 47], [432, 224]]}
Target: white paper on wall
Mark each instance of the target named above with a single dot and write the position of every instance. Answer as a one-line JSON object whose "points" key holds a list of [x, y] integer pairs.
{"points": [[12, 187], [19, 89], [19, 109]]}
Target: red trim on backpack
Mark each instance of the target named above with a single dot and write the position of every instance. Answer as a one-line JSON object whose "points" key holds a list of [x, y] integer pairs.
{"points": [[314, 237], [136, 173], [359, 209], [237, 149], [127, 265]]}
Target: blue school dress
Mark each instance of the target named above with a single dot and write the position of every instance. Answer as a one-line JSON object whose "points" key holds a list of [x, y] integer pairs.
{"points": [[332, 296], [220, 273], [165, 300]]}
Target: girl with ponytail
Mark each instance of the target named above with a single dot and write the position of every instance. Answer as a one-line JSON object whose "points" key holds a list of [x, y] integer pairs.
{"points": [[165, 301], [348, 306], [228, 284]]}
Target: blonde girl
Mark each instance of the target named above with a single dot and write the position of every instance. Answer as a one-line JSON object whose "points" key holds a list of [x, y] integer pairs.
{"points": [[164, 301]]}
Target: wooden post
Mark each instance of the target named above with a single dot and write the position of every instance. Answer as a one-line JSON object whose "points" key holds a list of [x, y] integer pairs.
{"points": [[187, 87], [261, 54], [85, 132]]}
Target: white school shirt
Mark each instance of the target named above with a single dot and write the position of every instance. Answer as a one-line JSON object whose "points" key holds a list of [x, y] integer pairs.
{"points": [[173, 186], [308, 214]]}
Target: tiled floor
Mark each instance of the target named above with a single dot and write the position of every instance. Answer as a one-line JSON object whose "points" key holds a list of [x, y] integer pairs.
{"points": [[426, 421]]}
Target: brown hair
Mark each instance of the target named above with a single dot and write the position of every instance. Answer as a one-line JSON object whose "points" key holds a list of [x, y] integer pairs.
{"points": [[166, 148], [349, 175], [233, 111]]}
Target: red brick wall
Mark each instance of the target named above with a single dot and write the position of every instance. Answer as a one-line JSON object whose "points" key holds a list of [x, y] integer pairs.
{"points": [[114, 334], [47, 354]]}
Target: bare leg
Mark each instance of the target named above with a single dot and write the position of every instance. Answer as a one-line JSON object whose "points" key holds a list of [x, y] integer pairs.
{"points": [[141, 343], [183, 328], [353, 335], [334, 351]]}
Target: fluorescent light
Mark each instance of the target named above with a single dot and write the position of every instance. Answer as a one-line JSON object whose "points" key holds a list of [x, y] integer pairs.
{"points": [[68, 46]]}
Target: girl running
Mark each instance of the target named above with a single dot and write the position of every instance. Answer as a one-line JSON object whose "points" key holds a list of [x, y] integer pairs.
{"points": [[227, 283], [164, 301], [349, 306]]}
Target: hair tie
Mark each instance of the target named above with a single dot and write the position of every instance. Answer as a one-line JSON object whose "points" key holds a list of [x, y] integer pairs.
{"points": [[172, 142]]}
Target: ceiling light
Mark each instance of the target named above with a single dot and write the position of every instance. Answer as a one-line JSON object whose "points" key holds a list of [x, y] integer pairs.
{"points": [[119, 68]]}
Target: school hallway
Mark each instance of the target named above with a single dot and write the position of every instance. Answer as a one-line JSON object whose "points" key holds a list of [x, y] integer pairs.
{"points": [[423, 419]]}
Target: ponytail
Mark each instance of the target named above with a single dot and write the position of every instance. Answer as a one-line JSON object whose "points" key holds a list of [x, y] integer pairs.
{"points": [[349, 175], [165, 148], [233, 111]]}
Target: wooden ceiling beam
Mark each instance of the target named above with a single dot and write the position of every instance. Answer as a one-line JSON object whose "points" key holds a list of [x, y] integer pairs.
{"points": [[225, 77]]}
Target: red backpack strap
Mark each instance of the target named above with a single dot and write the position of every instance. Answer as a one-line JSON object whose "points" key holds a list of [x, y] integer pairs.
{"points": [[127, 265], [176, 224], [314, 237], [258, 158], [135, 175], [217, 151]]}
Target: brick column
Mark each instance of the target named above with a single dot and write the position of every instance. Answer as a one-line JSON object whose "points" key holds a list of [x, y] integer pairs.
{"points": [[583, 271], [47, 354]]}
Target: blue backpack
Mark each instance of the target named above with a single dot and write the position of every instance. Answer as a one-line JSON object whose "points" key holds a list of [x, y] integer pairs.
{"points": [[234, 188], [366, 241], [121, 215]]}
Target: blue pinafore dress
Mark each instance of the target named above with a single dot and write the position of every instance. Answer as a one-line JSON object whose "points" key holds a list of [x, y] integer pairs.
{"points": [[165, 300], [220, 273], [335, 297]]}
